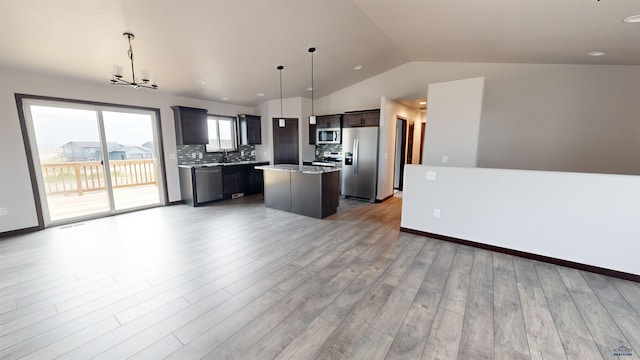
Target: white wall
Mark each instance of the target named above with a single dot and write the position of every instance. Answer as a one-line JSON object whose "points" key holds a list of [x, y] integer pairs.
{"points": [[15, 185], [582, 118], [591, 219], [417, 140], [307, 152], [453, 121], [390, 110]]}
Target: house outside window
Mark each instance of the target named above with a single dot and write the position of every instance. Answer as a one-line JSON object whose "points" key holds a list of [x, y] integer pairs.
{"points": [[222, 134]]}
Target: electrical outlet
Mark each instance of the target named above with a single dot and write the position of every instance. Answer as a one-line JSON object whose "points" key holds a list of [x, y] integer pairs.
{"points": [[194, 155], [436, 213], [253, 153], [200, 155], [3, 211], [445, 159], [241, 152], [431, 175]]}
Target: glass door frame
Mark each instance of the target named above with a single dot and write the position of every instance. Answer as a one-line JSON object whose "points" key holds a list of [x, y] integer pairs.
{"points": [[155, 129], [23, 101]]}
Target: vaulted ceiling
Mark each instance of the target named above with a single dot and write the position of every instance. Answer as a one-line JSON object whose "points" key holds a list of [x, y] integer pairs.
{"points": [[228, 50]]}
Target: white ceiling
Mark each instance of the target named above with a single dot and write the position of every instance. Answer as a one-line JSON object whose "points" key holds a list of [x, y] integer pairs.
{"points": [[235, 45]]}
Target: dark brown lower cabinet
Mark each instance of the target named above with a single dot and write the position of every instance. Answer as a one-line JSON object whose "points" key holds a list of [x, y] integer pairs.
{"points": [[243, 179]]}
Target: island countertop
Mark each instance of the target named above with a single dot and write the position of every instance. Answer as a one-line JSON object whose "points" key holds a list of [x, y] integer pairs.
{"points": [[234, 163], [305, 169]]}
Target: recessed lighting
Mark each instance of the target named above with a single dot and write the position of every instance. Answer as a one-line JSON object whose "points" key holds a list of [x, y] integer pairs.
{"points": [[596, 53], [633, 19], [309, 88], [201, 82], [423, 103], [357, 67], [225, 98], [260, 94]]}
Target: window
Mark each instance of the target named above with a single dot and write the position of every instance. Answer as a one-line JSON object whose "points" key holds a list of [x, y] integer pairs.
{"points": [[222, 134]]}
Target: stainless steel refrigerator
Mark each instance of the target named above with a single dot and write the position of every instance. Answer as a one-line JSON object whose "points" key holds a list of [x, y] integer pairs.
{"points": [[360, 162]]}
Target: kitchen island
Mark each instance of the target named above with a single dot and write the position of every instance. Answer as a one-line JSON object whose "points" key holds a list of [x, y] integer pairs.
{"points": [[300, 189]]}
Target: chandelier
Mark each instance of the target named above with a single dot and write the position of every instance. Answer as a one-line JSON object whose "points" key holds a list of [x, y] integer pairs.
{"points": [[118, 80]]}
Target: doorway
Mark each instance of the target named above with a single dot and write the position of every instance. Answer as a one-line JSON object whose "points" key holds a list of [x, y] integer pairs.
{"points": [[401, 153], [92, 160], [285, 141]]}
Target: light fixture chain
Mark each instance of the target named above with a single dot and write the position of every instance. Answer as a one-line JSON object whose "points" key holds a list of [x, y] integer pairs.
{"points": [[280, 68], [117, 78], [130, 53], [312, 86]]}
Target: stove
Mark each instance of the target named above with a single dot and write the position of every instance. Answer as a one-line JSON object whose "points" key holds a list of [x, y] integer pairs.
{"points": [[329, 159]]}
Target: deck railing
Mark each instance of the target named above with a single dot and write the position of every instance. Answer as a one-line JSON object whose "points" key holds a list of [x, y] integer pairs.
{"points": [[81, 176]]}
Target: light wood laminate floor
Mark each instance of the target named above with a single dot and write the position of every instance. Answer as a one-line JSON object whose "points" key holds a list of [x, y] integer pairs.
{"points": [[235, 280]]}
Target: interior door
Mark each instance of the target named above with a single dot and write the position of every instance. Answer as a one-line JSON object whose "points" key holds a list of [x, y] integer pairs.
{"points": [[401, 147], [285, 141]]}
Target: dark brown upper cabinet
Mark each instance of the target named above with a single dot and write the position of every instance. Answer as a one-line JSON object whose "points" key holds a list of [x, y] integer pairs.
{"points": [[312, 134], [191, 125], [250, 129], [328, 121], [324, 122], [361, 118]]}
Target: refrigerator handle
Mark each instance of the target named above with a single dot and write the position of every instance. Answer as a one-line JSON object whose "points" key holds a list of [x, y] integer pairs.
{"points": [[355, 156]]}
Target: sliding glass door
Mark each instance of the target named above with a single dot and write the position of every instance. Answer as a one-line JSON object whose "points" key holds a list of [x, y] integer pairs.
{"points": [[132, 167], [92, 161]]}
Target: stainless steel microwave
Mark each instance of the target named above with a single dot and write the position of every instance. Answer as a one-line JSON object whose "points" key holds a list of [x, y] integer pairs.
{"points": [[328, 136]]}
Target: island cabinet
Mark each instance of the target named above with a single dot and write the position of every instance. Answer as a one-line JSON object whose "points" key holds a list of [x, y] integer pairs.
{"points": [[191, 125], [361, 118], [305, 190], [250, 129]]}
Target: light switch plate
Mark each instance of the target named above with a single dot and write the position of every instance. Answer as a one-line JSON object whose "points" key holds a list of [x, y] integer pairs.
{"points": [[445, 159], [436, 213], [3, 211]]}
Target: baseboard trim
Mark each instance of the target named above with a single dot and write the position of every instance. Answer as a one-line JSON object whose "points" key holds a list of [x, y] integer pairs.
{"points": [[523, 254], [385, 199], [179, 202], [19, 231]]}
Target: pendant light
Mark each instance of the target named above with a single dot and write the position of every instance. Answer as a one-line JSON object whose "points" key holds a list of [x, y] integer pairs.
{"points": [[312, 118], [281, 121], [118, 80]]}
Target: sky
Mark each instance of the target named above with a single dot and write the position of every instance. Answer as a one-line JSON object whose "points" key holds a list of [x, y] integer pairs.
{"points": [[55, 126]]}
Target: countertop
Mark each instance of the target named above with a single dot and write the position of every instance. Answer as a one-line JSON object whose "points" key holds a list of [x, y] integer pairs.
{"points": [[222, 164], [305, 169]]}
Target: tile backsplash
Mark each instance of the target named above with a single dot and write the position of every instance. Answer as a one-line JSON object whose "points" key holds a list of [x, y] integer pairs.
{"points": [[320, 149], [185, 154]]}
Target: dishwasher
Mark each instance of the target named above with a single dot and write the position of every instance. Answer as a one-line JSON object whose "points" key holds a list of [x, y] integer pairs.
{"points": [[208, 184], [200, 183]]}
